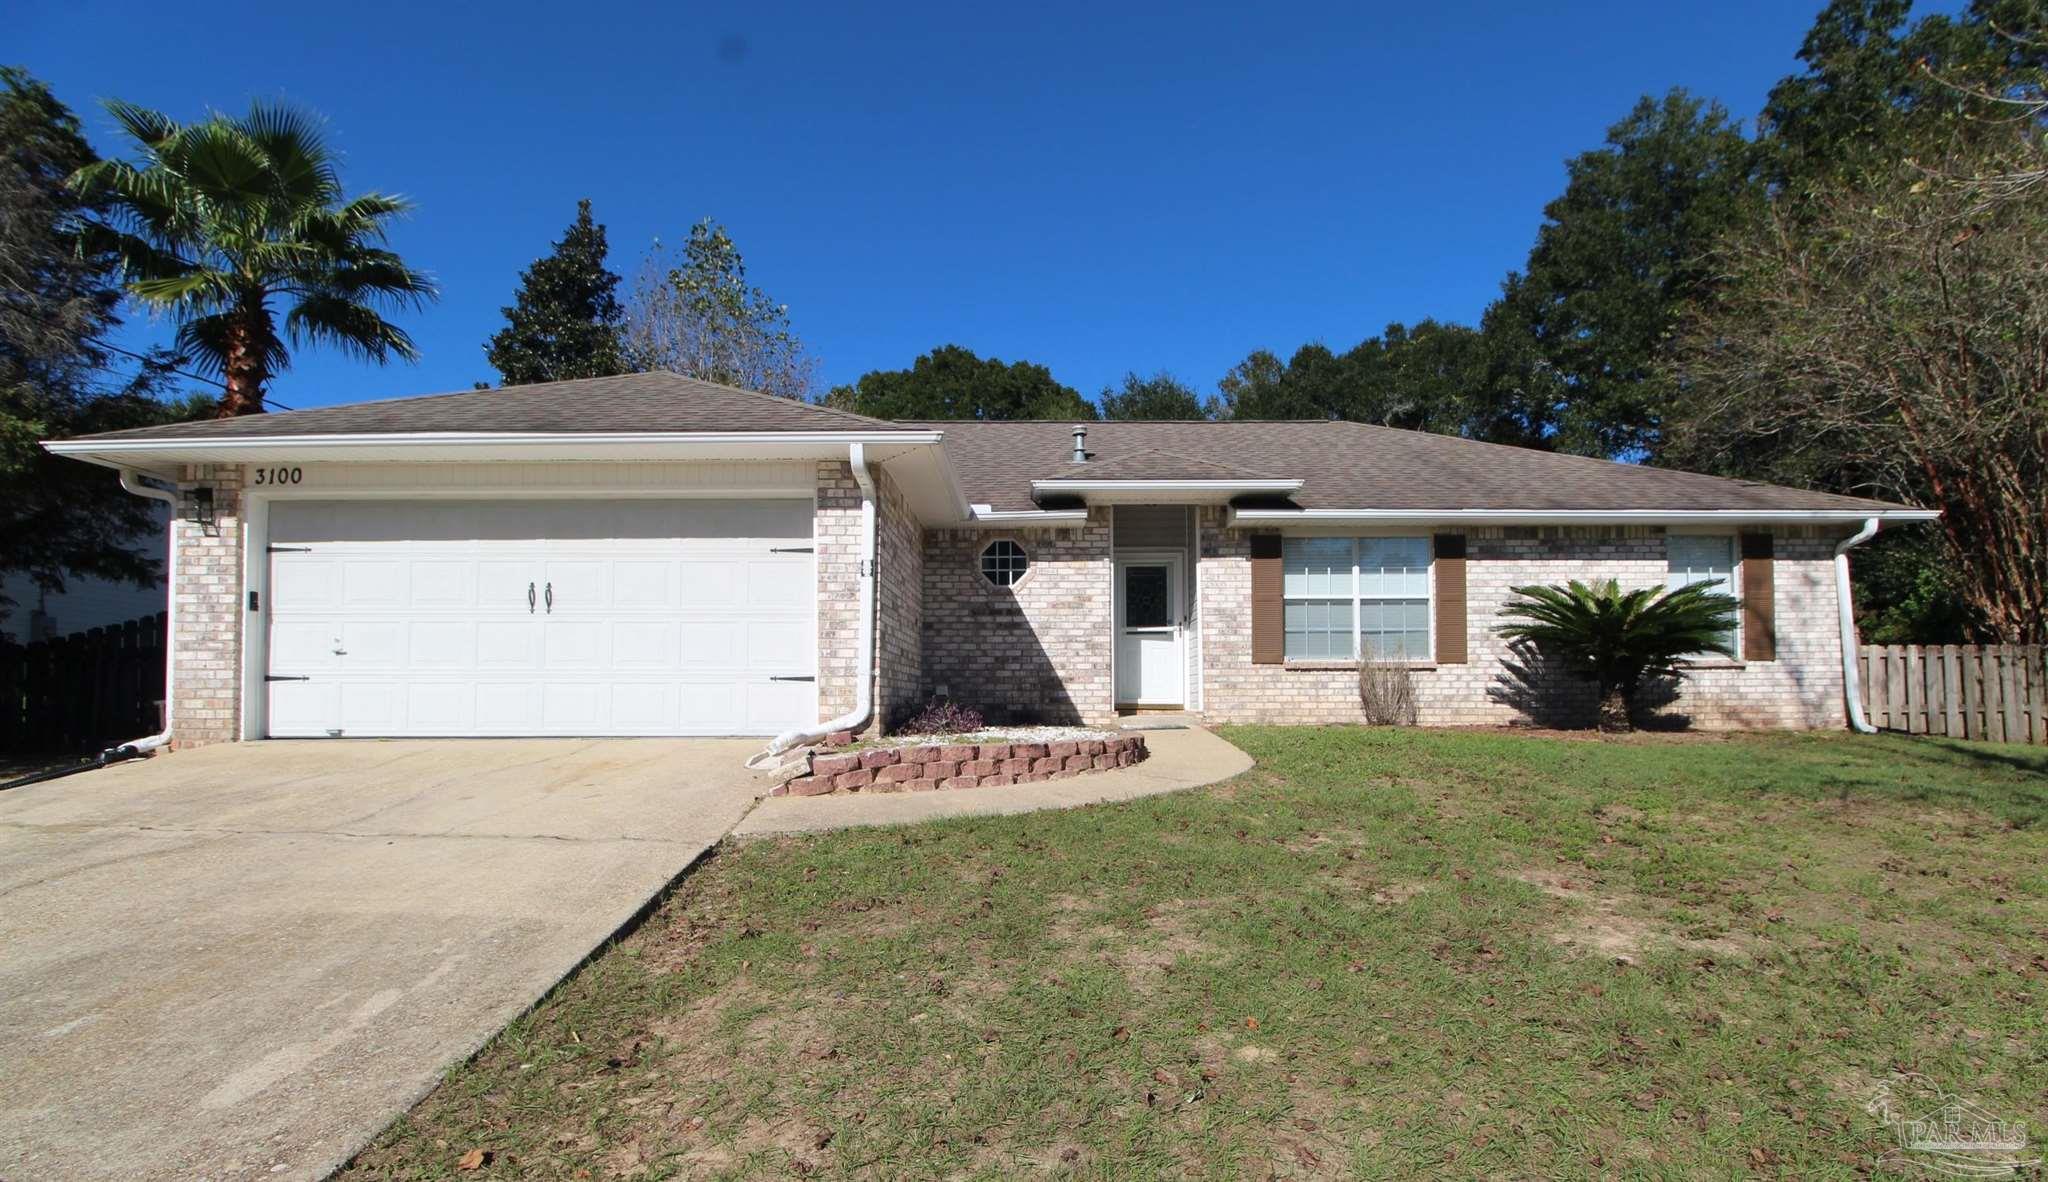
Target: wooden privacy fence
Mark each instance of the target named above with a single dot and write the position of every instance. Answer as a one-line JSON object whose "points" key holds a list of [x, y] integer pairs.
{"points": [[81, 693], [1997, 692]]}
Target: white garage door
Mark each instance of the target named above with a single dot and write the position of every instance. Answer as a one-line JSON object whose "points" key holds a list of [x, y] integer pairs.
{"points": [[561, 617]]}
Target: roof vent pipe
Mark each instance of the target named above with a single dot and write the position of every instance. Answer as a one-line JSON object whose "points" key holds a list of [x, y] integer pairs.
{"points": [[1080, 444]]}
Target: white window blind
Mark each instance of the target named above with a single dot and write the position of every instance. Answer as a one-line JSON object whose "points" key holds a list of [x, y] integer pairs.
{"points": [[1346, 594]]}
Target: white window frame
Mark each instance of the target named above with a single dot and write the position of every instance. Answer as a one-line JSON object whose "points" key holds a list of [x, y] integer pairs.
{"points": [[981, 559], [1428, 657], [1734, 589]]}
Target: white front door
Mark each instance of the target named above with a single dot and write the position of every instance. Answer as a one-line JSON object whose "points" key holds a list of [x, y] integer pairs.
{"points": [[1149, 668], [564, 617]]}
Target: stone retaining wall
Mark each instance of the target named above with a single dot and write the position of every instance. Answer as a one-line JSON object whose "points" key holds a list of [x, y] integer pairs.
{"points": [[932, 766]]}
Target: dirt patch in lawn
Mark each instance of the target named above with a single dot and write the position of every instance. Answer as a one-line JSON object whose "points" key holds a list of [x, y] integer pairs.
{"points": [[1611, 924]]}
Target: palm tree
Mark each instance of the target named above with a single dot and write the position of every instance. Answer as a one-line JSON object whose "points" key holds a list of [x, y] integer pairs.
{"points": [[225, 222], [1618, 638]]}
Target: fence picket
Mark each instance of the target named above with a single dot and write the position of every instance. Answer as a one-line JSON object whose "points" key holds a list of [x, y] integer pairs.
{"points": [[1996, 693], [76, 694]]}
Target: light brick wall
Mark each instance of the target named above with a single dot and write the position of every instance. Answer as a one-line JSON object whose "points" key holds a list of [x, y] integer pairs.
{"points": [[1037, 651], [206, 697], [899, 556], [1801, 689]]}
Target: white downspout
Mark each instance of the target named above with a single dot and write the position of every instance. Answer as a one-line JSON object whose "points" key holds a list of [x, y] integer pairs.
{"points": [[864, 686], [1852, 681], [131, 483]]}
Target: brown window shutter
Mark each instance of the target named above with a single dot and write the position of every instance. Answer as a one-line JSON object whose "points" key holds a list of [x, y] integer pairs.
{"points": [[1269, 640], [1759, 603], [1451, 630]]}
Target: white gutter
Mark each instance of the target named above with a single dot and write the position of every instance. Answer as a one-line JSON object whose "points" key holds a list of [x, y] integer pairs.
{"points": [[864, 660], [993, 517], [1576, 516], [1852, 680], [130, 483]]}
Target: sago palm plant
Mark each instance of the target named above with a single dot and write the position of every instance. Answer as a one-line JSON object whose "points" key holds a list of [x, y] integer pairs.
{"points": [[228, 222], [1617, 638]]}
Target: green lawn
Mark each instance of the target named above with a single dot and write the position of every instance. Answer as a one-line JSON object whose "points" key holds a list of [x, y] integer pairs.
{"points": [[1379, 954]]}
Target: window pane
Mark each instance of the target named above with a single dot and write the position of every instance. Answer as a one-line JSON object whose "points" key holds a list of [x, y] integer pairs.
{"points": [[1318, 629], [1316, 566], [1148, 602], [1393, 566], [1697, 559]]}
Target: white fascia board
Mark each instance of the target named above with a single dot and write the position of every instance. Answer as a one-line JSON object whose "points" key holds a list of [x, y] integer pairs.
{"points": [[1021, 517], [1576, 516], [1231, 487]]}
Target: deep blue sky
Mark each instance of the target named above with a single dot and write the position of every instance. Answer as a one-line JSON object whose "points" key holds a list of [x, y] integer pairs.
{"points": [[1095, 187]]}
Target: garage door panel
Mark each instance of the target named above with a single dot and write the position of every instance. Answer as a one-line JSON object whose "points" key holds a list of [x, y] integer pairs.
{"points": [[711, 585], [308, 583], [644, 644], [508, 644], [450, 584], [648, 584], [670, 617], [440, 708], [772, 584], [370, 582], [770, 701], [577, 645], [305, 646], [442, 644]]}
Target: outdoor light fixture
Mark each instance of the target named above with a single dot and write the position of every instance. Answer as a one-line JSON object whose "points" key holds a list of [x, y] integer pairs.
{"points": [[199, 505]]}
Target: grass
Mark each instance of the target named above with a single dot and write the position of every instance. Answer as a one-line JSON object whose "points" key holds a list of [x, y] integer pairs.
{"points": [[1381, 953]]}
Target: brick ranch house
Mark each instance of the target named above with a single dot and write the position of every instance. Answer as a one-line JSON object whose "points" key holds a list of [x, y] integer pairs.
{"points": [[652, 555]]}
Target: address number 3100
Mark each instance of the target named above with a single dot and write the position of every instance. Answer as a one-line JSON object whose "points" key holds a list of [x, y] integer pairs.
{"points": [[280, 475]]}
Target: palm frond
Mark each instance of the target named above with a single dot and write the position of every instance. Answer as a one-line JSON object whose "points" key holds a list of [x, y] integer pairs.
{"points": [[349, 325]]}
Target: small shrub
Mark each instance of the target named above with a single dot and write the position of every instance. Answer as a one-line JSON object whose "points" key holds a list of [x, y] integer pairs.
{"points": [[941, 717], [1386, 693]]}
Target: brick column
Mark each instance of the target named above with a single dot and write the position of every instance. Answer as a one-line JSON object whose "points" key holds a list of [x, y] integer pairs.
{"points": [[206, 699]]}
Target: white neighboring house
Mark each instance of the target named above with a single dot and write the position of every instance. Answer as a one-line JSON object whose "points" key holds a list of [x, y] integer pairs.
{"points": [[84, 603]]}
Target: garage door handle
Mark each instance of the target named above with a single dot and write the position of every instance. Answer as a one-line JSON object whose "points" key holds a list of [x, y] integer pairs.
{"points": [[551, 598], [791, 677], [529, 599]]}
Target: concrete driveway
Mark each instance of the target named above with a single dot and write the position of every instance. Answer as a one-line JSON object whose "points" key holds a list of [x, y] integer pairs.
{"points": [[243, 961]]}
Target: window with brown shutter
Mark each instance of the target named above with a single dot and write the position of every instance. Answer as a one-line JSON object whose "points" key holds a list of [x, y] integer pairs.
{"points": [[1451, 630], [1759, 603], [1268, 608]]}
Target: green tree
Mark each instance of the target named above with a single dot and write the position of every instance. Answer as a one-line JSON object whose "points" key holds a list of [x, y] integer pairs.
{"points": [[1616, 638], [222, 221], [1426, 377], [1161, 396], [950, 382], [699, 317], [58, 517], [1879, 88], [1617, 256], [564, 320]]}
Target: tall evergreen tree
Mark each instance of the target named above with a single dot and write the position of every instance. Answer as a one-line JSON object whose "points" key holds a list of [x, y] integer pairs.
{"points": [[564, 320], [1618, 255], [59, 517]]}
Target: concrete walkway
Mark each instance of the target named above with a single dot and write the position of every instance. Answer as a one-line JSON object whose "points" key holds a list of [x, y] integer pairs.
{"points": [[241, 962], [1179, 759]]}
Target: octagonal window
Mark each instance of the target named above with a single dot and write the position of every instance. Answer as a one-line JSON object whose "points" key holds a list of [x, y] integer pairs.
{"points": [[1003, 562]]}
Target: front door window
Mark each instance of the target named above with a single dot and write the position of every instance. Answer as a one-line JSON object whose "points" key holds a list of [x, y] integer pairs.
{"points": [[1148, 597]]}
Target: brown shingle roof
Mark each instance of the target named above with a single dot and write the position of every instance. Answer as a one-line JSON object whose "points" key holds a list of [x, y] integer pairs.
{"points": [[658, 401], [1357, 466], [1153, 464]]}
